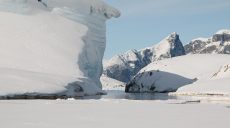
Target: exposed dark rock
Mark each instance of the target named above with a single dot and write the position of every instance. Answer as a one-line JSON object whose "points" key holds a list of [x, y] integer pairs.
{"points": [[209, 49], [221, 37], [195, 46], [151, 73], [177, 48], [152, 88], [219, 44]]}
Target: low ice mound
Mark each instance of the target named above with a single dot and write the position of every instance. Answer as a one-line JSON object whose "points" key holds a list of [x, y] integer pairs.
{"points": [[181, 72], [52, 46]]}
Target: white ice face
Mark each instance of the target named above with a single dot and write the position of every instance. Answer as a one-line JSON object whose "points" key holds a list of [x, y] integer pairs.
{"points": [[93, 14], [51, 21]]}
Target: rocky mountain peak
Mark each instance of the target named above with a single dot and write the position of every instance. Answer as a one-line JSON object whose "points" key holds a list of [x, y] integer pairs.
{"points": [[171, 46], [131, 62], [174, 35], [219, 43], [222, 36]]}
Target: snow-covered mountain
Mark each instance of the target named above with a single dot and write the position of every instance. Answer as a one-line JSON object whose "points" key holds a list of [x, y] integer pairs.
{"points": [[52, 46], [198, 73], [123, 67], [218, 43]]}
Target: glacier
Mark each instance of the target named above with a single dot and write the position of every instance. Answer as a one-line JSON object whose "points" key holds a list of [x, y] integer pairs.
{"points": [[52, 46]]}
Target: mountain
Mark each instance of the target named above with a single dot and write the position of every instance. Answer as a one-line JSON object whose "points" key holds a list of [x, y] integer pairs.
{"points": [[123, 67], [219, 43], [52, 47], [190, 74]]}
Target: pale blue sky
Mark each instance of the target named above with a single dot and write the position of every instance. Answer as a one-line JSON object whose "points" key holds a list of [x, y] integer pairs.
{"points": [[145, 22]]}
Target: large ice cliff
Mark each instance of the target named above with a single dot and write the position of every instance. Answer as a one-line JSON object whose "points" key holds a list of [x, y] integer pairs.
{"points": [[52, 46]]}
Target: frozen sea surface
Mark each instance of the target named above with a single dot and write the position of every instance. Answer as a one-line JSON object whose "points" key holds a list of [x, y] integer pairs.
{"points": [[111, 113], [117, 109], [164, 97], [119, 94]]}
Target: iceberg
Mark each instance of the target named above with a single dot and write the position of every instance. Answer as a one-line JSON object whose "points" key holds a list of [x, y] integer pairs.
{"points": [[52, 47]]}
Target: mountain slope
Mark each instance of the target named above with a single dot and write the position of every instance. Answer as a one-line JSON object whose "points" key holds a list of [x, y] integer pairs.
{"points": [[218, 84], [123, 67], [179, 72]]}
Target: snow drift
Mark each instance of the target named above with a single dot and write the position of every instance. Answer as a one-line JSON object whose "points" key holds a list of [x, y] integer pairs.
{"points": [[217, 84], [52, 46]]}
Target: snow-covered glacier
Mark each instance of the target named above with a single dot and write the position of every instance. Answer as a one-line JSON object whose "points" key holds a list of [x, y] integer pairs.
{"points": [[52, 46]]}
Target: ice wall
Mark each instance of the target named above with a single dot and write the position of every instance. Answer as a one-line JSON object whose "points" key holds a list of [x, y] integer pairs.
{"points": [[49, 36], [92, 13]]}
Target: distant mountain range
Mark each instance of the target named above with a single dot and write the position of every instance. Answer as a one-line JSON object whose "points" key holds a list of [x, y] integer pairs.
{"points": [[218, 43], [125, 66]]}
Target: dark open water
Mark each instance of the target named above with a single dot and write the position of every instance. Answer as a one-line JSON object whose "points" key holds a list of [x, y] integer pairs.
{"points": [[118, 94]]}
